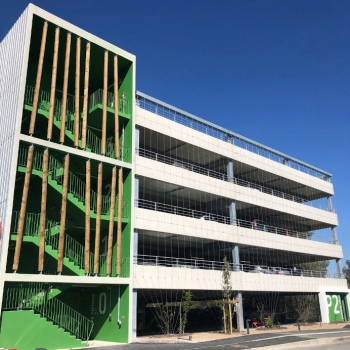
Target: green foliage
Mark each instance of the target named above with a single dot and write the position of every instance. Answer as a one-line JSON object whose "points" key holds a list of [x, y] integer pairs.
{"points": [[186, 305], [269, 323], [346, 271]]}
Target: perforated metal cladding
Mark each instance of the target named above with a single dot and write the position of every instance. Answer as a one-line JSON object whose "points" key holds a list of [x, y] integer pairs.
{"points": [[11, 63]]}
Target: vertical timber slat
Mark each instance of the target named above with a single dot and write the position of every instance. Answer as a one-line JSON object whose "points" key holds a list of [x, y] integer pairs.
{"points": [[116, 109], [111, 220], [77, 92], [38, 80], [23, 208], [98, 219], [65, 89], [43, 211], [120, 215], [86, 92], [63, 214], [104, 112], [53, 83], [87, 217]]}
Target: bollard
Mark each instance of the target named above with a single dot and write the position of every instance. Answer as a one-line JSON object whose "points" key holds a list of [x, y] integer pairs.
{"points": [[320, 321], [247, 323], [190, 338], [298, 324]]}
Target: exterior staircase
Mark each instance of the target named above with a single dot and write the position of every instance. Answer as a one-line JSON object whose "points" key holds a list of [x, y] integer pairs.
{"points": [[76, 187], [93, 143], [41, 299]]}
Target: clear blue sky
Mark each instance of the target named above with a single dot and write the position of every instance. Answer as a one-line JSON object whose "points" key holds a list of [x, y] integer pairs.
{"points": [[277, 72]]}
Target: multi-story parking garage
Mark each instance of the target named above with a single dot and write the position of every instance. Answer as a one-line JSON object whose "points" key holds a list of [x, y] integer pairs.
{"points": [[114, 204]]}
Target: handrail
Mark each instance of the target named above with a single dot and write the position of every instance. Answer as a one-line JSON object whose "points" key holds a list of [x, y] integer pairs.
{"points": [[197, 214], [35, 296], [73, 250], [75, 186], [189, 120], [222, 176], [97, 98], [194, 263], [92, 141]]}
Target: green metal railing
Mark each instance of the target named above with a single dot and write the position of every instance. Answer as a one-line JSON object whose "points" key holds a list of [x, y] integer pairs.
{"points": [[75, 185], [96, 98], [103, 267], [73, 250], [35, 296], [93, 143]]}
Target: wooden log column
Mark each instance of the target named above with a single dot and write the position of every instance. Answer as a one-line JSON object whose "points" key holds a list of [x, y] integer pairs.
{"points": [[43, 211], [87, 216], [38, 80], [86, 95], [65, 89], [104, 112], [111, 221], [77, 97], [98, 220], [23, 209], [63, 215], [53, 83], [120, 216], [116, 109]]}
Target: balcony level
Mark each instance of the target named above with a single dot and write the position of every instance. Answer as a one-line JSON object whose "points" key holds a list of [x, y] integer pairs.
{"points": [[193, 122], [162, 134]]}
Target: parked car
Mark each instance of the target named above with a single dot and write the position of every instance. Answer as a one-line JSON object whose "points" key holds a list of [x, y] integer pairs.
{"points": [[259, 225], [281, 271], [259, 269], [295, 270]]}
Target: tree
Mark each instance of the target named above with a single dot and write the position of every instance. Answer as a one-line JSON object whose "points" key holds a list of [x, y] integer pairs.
{"points": [[185, 306], [346, 271], [226, 291]]}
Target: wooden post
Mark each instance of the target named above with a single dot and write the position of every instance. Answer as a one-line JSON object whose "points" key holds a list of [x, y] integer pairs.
{"points": [[224, 309], [86, 92], [43, 211], [111, 220], [53, 83], [38, 80], [65, 89], [22, 213], [104, 112], [230, 316], [98, 219], [77, 97], [116, 109], [120, 216], [63, 214], [87, 216]]}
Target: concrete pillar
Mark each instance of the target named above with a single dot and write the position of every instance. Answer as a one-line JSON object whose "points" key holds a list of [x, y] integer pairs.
{"points": [[135, 246], [136, 191], [232, 207], [235, 258], [137, 140], [335, 239], [330, 204], [134, 314], [239, 315]]}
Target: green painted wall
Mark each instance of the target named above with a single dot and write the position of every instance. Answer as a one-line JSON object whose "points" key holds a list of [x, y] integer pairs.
{"points": [[335, 311], [100, 305], [25, 330]]}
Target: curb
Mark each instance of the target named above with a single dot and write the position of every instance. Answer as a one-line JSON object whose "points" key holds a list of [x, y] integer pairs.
{"points": [[303, 343]]}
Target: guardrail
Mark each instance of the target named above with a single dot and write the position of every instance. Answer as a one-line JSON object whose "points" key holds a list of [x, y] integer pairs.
{"points": [[167, 111], [222, 176], [96, 98], [196, 214], [75, 185], [151, 260], [34, 296]]}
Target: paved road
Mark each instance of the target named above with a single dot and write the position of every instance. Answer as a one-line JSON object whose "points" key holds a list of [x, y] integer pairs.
{"points": [[247, 342]]}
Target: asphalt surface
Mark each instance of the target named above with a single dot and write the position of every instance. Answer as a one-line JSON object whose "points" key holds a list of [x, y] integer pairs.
{"points": [[246, 342]]}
